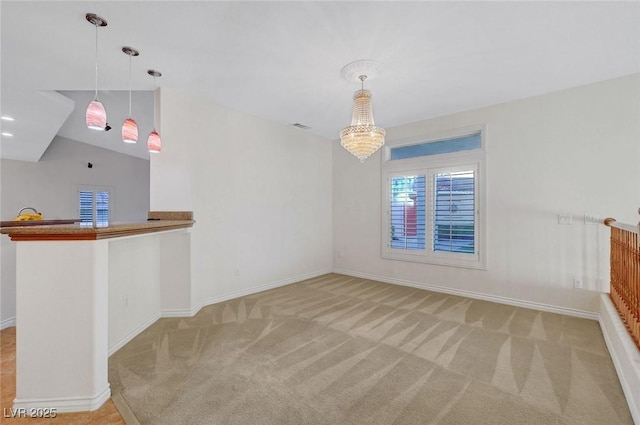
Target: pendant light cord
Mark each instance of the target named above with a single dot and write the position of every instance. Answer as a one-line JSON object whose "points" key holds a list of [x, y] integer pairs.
{"points": [[129, 85], [154, 102], [96, 94]]}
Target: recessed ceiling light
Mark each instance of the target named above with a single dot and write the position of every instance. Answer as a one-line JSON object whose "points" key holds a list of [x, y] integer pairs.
{"points": [[4, 133], [7, 118]]}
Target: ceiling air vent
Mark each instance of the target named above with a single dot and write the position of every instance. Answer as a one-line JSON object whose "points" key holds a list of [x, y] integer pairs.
{"points": [[302, 126]]}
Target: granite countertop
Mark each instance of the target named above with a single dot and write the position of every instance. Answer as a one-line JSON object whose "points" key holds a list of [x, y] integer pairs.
{"points": [[84, 232], [14, 223]]}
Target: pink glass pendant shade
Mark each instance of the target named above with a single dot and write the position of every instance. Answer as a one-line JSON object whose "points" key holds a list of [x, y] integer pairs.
{"points": [[96, 116], [154, 143], [129, 131]]}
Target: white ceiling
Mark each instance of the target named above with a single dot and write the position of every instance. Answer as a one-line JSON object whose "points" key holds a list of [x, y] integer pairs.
{"points": [[282, 60], [38, 117]]}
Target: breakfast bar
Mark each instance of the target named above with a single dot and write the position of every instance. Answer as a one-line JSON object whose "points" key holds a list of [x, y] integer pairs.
{"points": [[83, 291]]}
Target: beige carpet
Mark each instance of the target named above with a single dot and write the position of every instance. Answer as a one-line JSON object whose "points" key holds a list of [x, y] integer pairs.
{"points": [[338, 350]]}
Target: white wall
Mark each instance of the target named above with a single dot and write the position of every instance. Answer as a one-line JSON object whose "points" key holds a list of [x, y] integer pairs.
{"points": [[148, 278], [134, 286], [63, 326], [260, 192], [574, 151], [50, 186]]}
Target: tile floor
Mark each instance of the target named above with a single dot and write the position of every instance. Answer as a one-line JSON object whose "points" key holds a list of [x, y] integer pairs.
{"points": [[107, 414]]}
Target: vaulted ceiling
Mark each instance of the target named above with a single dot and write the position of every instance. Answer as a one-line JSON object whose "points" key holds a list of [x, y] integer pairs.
{"points": [[282, 60]]}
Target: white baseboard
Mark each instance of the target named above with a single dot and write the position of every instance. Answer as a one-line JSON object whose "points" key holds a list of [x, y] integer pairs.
{"points": [[64, 404], [185, 312], [124, 409], [8, 323], [256, 289], [475, 295], [128, 337], [624, 354]]}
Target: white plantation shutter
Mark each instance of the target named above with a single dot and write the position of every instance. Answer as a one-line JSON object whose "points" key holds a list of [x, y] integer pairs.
{"points": [[85, 198], [102, 206], [407, 212], [94, 205], [453, 216]]}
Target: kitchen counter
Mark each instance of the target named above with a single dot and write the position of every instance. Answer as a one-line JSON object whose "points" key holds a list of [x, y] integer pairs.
{"points": [[14, 223], [81, 232], [82, 292]]}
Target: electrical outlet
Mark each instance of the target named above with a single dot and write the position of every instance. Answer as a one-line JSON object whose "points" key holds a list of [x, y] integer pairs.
{"points": [[592, 219], [565, 219], [236, 271], [577, 283]]}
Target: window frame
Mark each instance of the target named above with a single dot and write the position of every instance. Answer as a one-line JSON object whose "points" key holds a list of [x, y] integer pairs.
{"points": [[95, 190], [429, 166]]}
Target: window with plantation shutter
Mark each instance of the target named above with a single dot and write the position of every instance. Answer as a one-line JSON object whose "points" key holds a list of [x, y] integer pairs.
{"points": [[433, 201], [407, 218], [86, 206], [94, 205], [453, 219], [102, 207]]}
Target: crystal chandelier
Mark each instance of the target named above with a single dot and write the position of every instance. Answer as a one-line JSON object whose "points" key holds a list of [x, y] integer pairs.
{"points": [[362, 138]]}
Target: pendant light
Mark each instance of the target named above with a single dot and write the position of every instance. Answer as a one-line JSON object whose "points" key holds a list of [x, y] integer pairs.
{"points": [[96, 116], [154, 143], [362, 138], [129, 127]]}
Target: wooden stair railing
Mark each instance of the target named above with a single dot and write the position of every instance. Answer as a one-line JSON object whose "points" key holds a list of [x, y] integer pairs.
{"points": [[625, 275]]}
